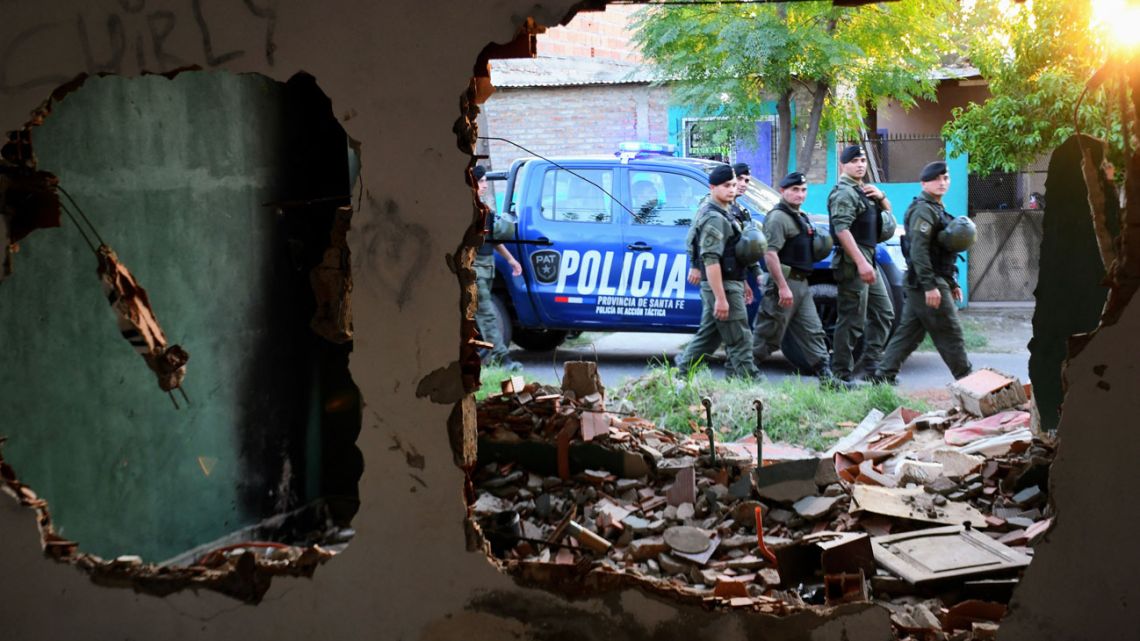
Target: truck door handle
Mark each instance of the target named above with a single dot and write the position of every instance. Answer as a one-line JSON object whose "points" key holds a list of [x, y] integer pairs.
{"points": [[638, 247], [541, 240]]}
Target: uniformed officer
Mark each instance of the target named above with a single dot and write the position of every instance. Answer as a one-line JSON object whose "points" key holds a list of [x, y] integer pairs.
{"points": [[863, 302], [485, 318], [932, 286], [787, 304], [743, 175], [724, 318]]}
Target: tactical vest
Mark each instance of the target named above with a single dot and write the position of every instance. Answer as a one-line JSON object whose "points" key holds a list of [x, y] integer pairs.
{"points": [[730, 269], [867, 225], [488, 246], [942, 260], [797, 251], [740, 212]]}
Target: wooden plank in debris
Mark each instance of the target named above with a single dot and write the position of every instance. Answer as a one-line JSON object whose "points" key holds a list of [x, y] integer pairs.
{"points": [[858, 435], [915, 504], [940, 553]]}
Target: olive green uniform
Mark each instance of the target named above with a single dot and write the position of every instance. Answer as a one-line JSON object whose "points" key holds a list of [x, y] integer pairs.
{"points": [[862, 309], [930, 266], [800, 320], [739, 213], [485, 317], [714, 231], [707, 334]]}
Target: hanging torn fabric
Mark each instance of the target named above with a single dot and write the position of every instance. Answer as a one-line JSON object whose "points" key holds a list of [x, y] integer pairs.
{"points": [[138, 324]]}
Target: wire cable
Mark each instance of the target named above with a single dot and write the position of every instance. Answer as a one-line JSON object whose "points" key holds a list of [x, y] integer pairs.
{"points": [[81, 214], [79, 227], [566, 169]]}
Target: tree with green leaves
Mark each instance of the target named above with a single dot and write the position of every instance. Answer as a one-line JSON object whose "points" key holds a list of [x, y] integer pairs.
{"points": [[726, 60], [1037, 57]]}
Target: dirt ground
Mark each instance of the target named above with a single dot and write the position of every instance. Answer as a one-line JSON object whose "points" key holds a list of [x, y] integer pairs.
{"points": [[1008, 327]]}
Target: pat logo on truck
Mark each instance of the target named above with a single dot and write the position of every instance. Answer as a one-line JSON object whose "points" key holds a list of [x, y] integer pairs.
{"points": [[545, 263]]}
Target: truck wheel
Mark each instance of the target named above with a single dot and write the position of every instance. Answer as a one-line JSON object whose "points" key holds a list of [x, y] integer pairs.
{"points": [[539, 340], [794, 356], [826, 305]]}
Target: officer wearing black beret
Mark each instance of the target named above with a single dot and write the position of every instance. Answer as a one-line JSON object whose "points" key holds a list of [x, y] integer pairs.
{"points": [[863, 304], [787, 305], [485, 317], [724, 317], [932, 286]]}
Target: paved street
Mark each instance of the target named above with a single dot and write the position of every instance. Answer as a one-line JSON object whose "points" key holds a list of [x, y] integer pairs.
{"points": [[622, 355], [626, 355]]}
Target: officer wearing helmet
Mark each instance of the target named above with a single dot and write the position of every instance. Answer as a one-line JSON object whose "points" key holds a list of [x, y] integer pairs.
{"points": [[787, 304], [724, 274], [931, 245]]}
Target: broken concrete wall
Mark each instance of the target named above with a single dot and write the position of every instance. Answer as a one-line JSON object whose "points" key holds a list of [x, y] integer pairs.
{"points": [[172, 174], [395, 71], [1068, 294]]}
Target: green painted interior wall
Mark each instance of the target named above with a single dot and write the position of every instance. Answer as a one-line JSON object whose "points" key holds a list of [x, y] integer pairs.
{"points": [[174, 174]]}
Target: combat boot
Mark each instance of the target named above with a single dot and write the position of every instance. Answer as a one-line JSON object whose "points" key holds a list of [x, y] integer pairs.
{"points": [[879, 378], [828, 380]]}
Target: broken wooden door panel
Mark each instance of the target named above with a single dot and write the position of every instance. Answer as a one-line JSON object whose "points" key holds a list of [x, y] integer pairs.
{"points": [[940, 553]]}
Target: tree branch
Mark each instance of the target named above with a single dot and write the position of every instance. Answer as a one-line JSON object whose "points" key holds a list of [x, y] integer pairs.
{"points": [[784, 137], [804, 157]]}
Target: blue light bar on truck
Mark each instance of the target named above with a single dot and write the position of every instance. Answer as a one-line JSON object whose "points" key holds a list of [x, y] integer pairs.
{"points": [[643, 149]]}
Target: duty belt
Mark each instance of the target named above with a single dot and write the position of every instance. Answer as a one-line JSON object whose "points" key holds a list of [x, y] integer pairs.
{"points": [[796, 274]]}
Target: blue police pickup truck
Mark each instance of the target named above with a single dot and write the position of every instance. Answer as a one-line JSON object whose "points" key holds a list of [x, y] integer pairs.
{"points": [[602, 244]]}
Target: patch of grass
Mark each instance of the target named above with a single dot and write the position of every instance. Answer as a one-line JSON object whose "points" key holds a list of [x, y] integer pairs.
{"points": [[972, 331], [796, 411], [492, 376]]}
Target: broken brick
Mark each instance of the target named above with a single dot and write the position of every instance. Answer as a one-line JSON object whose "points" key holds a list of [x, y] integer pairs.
{"points": [[814, 507], [642, 549], [684, 488], [987, 391], [727, 588]]}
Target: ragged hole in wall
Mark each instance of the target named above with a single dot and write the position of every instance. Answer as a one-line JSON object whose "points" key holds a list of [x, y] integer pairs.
{"points": [[228, 198], [607, 521]]}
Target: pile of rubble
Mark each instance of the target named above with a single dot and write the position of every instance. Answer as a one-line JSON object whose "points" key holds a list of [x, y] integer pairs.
{"points": [[931, 515]]}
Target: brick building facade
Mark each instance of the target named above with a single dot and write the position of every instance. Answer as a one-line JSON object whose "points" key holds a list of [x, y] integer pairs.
{"points": [[593, 34], [577, 120]]}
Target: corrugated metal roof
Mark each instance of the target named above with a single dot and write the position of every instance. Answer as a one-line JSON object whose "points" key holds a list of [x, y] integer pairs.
{"points": [[956, 71], [550, 71], [554, 71]]}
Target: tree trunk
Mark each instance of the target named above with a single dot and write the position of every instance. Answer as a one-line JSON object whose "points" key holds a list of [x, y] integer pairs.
{"points": [[807, 150], [784, 138]]}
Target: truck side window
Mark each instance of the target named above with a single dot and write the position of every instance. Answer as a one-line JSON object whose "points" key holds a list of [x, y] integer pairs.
{"points": [[567, 197], [662, 198]]}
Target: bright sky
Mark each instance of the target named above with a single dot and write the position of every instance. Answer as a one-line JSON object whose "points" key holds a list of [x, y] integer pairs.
{"points": [[1120, 20]]}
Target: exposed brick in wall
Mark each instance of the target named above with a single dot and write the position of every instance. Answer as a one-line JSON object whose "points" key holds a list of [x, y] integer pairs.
{"points": [[562, 121], [593, 34], [577, 120]]}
